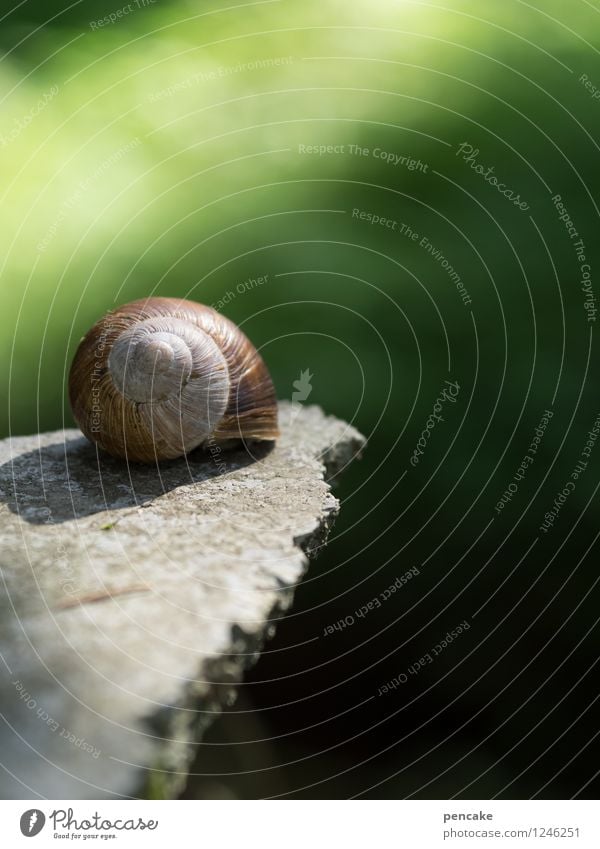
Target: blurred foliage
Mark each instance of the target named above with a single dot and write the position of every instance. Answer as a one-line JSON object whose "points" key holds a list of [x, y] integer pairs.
{"points": [[168, 163]]}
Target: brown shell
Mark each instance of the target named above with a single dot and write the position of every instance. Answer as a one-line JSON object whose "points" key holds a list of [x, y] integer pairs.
{"points": [[228, 395]]}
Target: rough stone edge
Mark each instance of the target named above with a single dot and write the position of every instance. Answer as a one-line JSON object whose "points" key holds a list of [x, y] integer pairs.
{"points": [[167, 779]]}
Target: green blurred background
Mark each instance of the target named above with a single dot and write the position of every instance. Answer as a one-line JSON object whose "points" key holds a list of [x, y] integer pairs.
{"points": [[165, 153]]}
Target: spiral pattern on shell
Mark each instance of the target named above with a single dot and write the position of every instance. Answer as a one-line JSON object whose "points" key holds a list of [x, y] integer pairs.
{"points": [[158, 377]]}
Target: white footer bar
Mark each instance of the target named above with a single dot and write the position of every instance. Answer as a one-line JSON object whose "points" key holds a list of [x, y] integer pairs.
{"points": [[301, 824]]}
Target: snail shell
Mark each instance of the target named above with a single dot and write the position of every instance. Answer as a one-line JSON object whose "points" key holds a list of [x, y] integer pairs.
{"points": [[158, 377]]}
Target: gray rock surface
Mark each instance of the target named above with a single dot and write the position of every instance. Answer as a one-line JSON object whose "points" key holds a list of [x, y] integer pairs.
{"points": [[133, 599]]}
